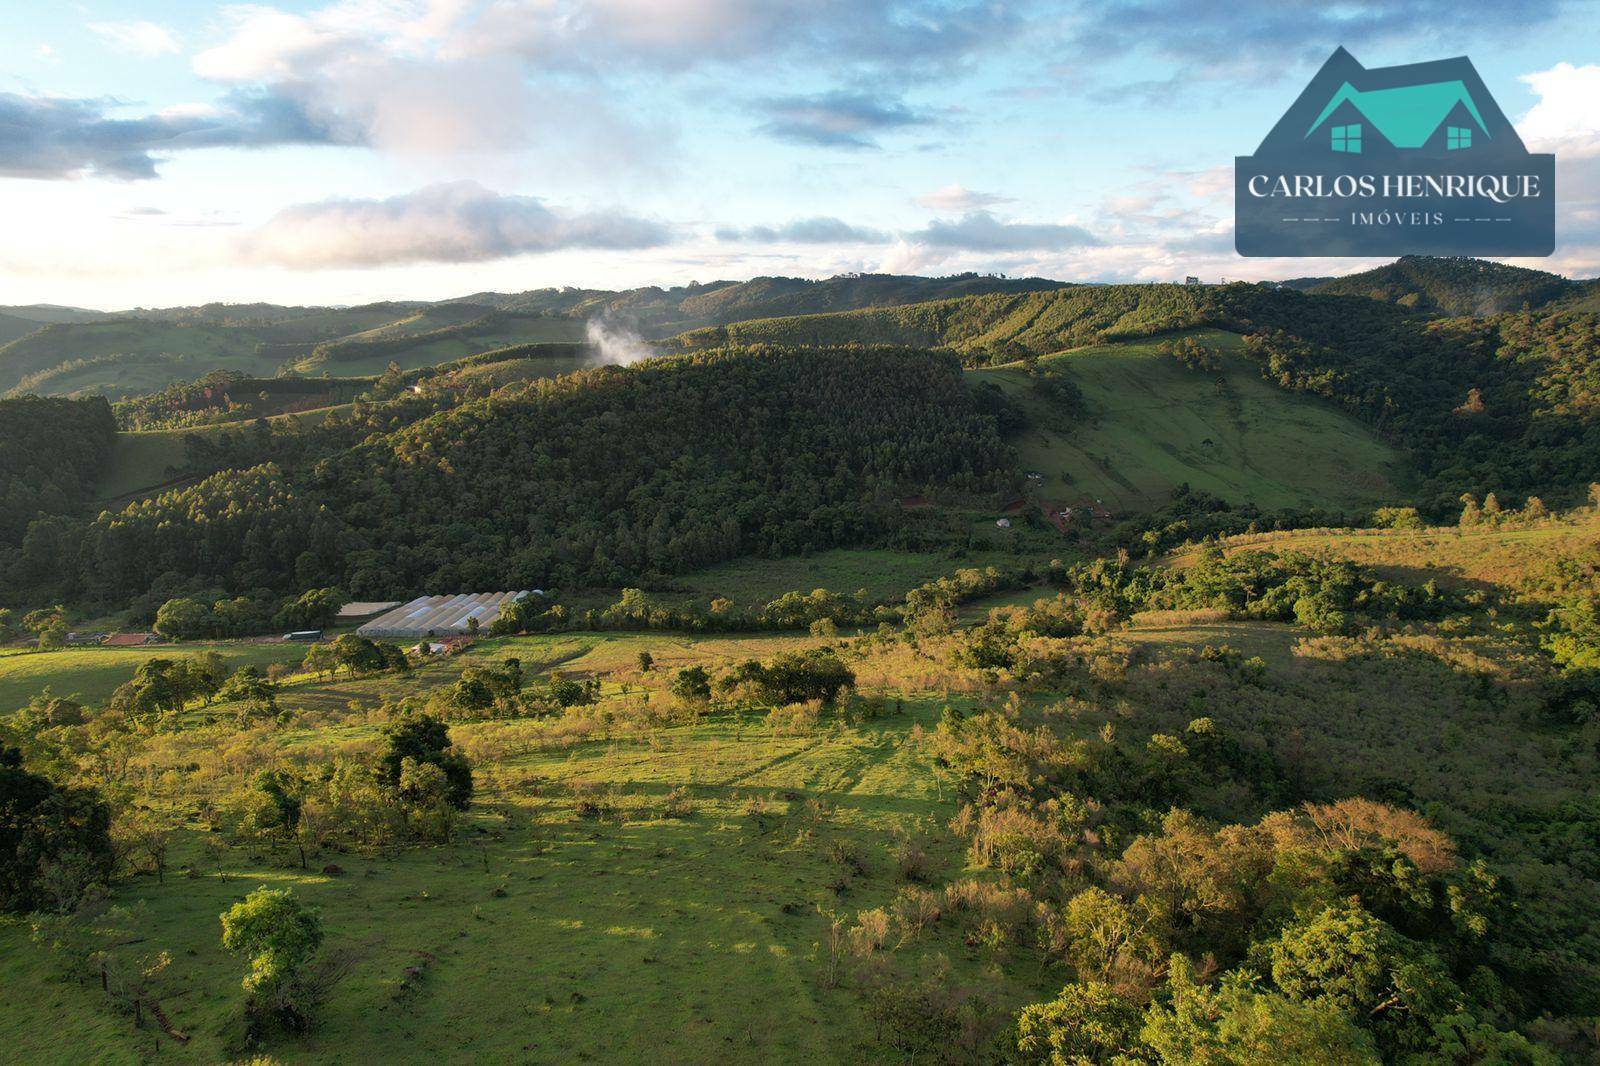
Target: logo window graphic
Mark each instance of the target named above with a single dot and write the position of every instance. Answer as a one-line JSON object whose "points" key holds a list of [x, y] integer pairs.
{"points": [[1408, 160], [1347, 138]]}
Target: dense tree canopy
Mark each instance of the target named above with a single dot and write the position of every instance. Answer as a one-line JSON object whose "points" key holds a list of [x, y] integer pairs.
{"points": [[599, 477], [51, 453]]}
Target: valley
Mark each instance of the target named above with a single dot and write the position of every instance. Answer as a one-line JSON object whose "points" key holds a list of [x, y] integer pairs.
{"points": [[898, 669]]}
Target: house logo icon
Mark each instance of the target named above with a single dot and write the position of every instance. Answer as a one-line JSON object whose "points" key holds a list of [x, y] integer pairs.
{"points": [[1408, 160]]}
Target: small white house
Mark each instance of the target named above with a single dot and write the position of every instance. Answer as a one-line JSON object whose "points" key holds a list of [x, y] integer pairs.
{"points": [[1003, 523]]}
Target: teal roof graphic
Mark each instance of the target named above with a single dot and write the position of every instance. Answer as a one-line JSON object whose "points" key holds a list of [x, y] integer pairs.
{"points": [[1348, 110], [1407, 115]]}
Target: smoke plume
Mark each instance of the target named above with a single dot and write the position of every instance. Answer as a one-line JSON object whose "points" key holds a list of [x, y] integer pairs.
{"points": [[616, 345]]}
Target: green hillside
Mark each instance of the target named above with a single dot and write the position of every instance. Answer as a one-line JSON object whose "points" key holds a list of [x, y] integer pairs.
{"points": [[12, 327], [1000, 323], [1450, 286], [658, 312], [135, 352], [120, 357], [1149, 424]]}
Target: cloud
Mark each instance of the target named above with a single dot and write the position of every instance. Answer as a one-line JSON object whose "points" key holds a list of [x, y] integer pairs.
{"points": [[1262, 39], [980, 231], [819, 230], [146, 39], [64, 137], [902, 38], [454, 222], [1565, 118], [836, 119], [426, 78], [959, 198], [447, 76]]}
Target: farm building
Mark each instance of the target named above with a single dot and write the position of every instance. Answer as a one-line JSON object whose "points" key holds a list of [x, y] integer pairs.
{"points": [[365, 609], [130, 640], [441, 616]]}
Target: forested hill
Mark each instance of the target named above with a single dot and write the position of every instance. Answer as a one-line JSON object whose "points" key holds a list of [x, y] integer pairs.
{"points": [[1452, 286], [662, 312], [1496, 404], [51, 452], [596, 478], [999, 324]]}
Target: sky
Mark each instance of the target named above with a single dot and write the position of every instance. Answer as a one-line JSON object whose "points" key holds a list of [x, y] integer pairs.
{"points": [[167, 152]]}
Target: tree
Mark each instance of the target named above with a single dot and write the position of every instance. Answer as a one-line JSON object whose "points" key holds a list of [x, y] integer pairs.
{"points": [[204, 675], [143, 835], [276, 808], [425, 739], [795, 677], [1235, 1023], [1087, 1023], [357, 654], [311, 610], [249, 686], [280, 936], [182, 618], [55, 841], [646, 661], [692, 685], [158, 686], [1347, 958], [320, 659], [425, 790]]}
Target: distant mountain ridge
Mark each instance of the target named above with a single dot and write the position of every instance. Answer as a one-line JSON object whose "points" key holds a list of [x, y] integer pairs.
{"points": [[660, 312], [1452, 286], [66, 351]]}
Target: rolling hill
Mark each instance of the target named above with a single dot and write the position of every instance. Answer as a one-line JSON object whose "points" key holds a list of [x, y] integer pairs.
{"points": [[1146, 425], [143, 350], [992, 325], [658, 312], [1447, 286]]}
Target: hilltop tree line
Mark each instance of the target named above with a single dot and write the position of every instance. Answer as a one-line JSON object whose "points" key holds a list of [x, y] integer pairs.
{"points": [[602, 477]]}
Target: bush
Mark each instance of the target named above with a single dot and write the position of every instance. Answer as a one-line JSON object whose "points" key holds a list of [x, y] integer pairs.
{"points": [[55, 842], [280, 936]]}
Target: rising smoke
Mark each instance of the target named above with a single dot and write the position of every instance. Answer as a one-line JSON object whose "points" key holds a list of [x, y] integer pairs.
{"points": [[615, 345]]}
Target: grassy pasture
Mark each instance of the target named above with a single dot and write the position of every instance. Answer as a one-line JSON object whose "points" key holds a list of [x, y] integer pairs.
{"points": [[92, 674], [143, 460], [886, 575], [617, 938], [1478, 556], [1153, 424]]}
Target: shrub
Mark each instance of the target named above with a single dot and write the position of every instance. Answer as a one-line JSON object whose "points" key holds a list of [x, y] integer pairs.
{"points": [[280, 936], [55, 842]]}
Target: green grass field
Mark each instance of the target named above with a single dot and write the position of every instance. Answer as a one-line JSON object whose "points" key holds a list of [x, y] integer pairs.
{"points": [[141, 461], [1474, 556], [94, 673], [1152, 425], [886, 575], [619, 937], [427, 352]]}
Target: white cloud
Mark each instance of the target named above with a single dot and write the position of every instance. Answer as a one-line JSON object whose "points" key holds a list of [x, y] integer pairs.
{"points": [[958, 198], [416, 77], [454, 222], [980, 231], [821, 229], [140, 38], [1566, 118]]}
